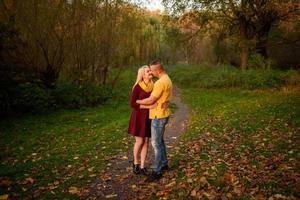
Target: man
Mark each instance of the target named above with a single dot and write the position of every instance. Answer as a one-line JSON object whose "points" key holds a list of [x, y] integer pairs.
{"points": [[161, 94]]}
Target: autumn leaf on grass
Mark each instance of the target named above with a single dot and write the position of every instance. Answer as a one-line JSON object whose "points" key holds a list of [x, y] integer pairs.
{"points": [[229, 178], [4, 197], [124, 158], [203, 181], [29, 180], [74, 190], [111, 196], [5, 181], [170, 185], [195, 193]]}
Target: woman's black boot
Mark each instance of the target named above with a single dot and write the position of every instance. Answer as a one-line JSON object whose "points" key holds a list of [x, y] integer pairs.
{"points": [[136, 169]]}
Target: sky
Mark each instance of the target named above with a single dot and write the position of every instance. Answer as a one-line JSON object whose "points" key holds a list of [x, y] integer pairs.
{"points": [[153, 4]]}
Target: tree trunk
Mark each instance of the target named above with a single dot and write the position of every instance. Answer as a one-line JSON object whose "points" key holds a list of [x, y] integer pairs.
{"points": [[243, 56], [244, 48]]}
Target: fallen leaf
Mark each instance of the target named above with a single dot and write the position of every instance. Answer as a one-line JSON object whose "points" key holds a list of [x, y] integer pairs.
{"points": [[194, 193], [111, 196], [237, 191], [229, 178], [4, 197], [81, 168], [203, 181], [74, 190], [5, 181], [29, 180], [56, 183], [173, 183]]}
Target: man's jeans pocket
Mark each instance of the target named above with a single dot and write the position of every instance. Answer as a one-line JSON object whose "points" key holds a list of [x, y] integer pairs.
{"points": [[160, 122]]}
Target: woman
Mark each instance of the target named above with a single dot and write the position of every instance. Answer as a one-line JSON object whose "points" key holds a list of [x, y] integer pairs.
{"points": [[140, 124]]}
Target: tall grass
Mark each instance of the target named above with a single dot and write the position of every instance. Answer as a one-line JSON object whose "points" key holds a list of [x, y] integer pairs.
{"points": [[226, 76]]}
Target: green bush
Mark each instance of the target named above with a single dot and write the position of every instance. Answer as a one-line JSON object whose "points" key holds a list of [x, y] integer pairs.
{"points": [[230, 77], [257, 61], [70, 95], [94, 94], [29, 97], [66, 95], [33, 97]]}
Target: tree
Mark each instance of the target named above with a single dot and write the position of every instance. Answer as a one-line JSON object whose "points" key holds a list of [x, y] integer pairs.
{"points": [[42, 28], [251, 19]]}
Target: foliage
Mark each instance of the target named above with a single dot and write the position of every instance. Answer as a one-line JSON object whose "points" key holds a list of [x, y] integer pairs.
{"points": [[257, 61], [46, 156], [223, 76], [79, 39], [239, 145], [54, 154], [36, 98], [249, 23], [70, 95], [30, 97]]}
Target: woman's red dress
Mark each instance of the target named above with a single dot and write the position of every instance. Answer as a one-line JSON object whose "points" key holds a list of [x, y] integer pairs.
{"points": [[139, 124]]}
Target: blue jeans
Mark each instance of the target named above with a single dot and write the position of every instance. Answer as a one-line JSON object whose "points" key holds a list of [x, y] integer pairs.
{"points": [[158, 144]]}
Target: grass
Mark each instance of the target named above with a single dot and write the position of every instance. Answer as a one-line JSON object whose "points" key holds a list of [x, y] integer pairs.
{"points": [[54, 147], [226, 76], [240, 143], [43, 155], [234, 135]]}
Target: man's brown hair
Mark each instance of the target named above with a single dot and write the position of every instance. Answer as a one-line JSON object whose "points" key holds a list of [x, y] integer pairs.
{"points": [[158, 63]]}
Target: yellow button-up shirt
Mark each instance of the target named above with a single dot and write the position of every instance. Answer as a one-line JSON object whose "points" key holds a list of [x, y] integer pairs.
{"points": [[163, 91]]}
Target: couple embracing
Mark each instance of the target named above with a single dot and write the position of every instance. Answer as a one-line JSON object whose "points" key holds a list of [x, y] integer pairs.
{"points": [[149, 116]]}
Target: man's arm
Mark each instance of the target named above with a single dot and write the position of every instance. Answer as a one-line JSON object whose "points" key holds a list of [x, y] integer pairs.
{"points": [[148, 101]]}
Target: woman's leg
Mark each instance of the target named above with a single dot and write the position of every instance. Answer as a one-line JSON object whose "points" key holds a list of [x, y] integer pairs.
{"points": [[136, 149], [144, 152]]}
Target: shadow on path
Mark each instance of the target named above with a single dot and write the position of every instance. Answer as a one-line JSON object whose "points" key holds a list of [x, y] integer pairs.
{"points": [[118, 181]]}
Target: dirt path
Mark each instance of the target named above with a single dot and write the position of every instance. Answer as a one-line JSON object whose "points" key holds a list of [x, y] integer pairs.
{"points": [[118, 181]]}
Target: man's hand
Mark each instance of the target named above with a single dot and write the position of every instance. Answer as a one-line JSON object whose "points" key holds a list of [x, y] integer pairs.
{"points": [[165, 105]]}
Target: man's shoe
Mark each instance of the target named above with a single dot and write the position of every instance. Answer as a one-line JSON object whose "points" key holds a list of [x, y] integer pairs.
{"points": [[136, 169], [144, 171], [165, 168], [154, 176]]}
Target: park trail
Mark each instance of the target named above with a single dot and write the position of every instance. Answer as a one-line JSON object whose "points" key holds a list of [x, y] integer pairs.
{"points": [[117, 181]]}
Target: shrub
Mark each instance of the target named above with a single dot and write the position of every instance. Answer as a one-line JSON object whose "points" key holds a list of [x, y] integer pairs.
{"points": [[230, 77], [33, 97], [94, 94], [66, 95], [29, 97], [70, 95], [257, 61]]}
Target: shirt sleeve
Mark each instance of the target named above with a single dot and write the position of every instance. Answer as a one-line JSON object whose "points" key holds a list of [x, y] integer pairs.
{"points": [[133, 97], [157, 89]]}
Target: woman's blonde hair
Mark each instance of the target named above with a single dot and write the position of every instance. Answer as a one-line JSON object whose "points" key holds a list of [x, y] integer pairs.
{"points": [[140, 74]]}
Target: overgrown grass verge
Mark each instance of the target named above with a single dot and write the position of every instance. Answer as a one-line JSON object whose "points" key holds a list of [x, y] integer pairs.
{"points": [[226, 76], [240, 144], [53, 155]]}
